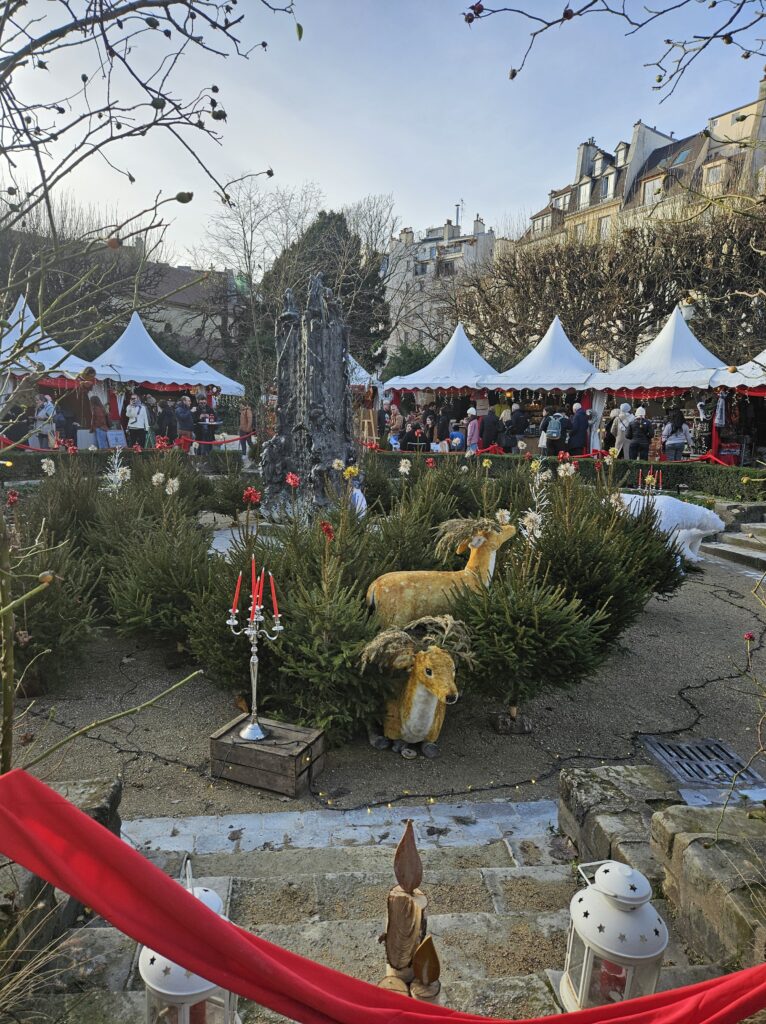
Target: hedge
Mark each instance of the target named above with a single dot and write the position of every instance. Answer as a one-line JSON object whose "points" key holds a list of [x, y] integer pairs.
{"points": [[27, 465], [734, 483]]}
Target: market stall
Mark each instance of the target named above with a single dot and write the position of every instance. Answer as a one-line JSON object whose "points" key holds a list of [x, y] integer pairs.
{"points": [[739, 422], [366, 390], [554, 371], [211, 376], [674, 369]]}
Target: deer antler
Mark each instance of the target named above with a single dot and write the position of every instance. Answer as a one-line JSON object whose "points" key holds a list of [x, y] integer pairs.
{"points": [[388, 646], [454, 532], [444, 631]]}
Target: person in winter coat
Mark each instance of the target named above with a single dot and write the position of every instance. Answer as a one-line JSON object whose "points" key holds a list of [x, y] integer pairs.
{"points": [[578, 437], [442, 435], [556, 426], [519, 422], [472, 431], [676, 435], [138, 421], [622, 421], [99, 421], [166, 421], [245, 425], [45, 412], [490, 428], [639, 435], [185, 418], [395, 426], [505, 438], [610, 430]]}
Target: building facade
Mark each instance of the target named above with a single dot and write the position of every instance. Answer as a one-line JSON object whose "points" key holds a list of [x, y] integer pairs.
{"points": [[420, 268], [654, 174]]}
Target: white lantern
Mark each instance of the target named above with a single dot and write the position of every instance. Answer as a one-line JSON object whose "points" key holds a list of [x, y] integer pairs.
{"points": [[176, 996], [616, 938]]}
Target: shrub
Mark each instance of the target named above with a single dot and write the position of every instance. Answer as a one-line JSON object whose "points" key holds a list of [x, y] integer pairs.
{"points": [[527, 635], [66, 502], [154, 573], [221, 460]]}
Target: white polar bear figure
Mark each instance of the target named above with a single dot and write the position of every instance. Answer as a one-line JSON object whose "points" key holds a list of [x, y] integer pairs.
{"points": [[686, 523]]}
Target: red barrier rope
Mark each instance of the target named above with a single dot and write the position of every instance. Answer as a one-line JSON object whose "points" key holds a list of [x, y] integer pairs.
{"points": [[50, 837], [179, 442]]}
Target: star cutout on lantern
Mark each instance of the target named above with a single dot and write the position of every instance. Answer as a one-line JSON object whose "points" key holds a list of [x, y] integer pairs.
{"points": [[152, 960], [633, 888], [642, 938], [601, 928], [586, 913], [580, 900], [622, 937], [656, 931], [166, 970], [606, 871]]}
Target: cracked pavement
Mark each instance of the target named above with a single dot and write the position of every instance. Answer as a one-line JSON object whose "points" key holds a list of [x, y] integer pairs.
{"points": [[678, 670]]}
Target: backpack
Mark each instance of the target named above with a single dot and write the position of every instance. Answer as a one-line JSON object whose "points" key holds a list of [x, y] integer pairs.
{"points": [[639, 430], [554, 427]]}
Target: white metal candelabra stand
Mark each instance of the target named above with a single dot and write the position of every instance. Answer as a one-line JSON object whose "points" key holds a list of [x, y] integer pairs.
{"points": [[252, 730]]}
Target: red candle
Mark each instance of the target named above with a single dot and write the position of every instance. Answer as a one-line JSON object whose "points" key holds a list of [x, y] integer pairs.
{"points": [[261, 581], [640, 477], [274, 605], [253, 588], [660, 480], [235, 602]]}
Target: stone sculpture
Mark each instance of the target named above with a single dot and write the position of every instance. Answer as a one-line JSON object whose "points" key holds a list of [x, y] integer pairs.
{"points": [[313, 400]]}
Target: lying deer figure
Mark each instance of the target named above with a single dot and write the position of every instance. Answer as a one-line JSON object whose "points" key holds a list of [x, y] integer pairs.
{"points": [[426, 649], [398, 597]]}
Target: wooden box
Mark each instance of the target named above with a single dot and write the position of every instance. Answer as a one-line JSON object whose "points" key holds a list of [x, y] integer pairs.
{"points": [[285, 762]]}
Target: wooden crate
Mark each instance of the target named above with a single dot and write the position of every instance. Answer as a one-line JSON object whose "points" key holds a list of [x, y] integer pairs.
{"points": [[285, 762]]}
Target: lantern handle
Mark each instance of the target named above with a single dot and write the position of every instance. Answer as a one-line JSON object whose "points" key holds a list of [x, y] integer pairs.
{"points": [[188, 873], [591, 864]]}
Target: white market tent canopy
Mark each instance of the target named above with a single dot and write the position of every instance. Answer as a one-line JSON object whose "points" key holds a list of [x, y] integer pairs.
{"points": [[220, 380], [24, 333], [675, 359], [358, 377], [458, 365], [136, 357], [751, 374], [554, 364]]}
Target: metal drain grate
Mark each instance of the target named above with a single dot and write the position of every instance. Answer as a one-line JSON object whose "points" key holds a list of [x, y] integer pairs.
{"points": [[700, 762]]}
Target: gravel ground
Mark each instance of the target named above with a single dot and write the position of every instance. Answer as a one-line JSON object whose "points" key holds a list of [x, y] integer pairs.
{"points": [[678, 669]]}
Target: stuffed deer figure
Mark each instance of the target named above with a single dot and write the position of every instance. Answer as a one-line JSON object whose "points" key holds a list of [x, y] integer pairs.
{"points": [[400, 597], [426, 650]]}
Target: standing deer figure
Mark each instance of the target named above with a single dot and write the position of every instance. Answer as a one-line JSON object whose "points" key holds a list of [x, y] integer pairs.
{"points": [[398, 597], [416, 714]]}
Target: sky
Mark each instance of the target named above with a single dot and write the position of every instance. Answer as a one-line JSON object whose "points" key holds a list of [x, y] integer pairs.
{"points": [[402, 97]]}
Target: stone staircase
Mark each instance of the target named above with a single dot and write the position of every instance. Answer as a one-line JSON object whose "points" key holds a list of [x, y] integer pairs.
{"points": [[498, 877], [744, 545]]}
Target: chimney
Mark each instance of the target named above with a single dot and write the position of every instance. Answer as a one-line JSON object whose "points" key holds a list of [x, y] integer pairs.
{"points": [[448, 230], [585, 153], [407, 236], [478, 225]]}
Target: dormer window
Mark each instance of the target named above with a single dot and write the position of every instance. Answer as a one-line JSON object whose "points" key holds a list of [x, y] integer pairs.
{"points": [[604, 187], [620, 154], [584, 195], [598, 164]]}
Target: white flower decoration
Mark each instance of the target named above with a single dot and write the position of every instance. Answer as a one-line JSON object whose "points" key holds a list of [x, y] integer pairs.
{"points": [[92, 448], [546, 475], [464, 469], [521, 445], [608, 460], [503, 516], [404, 467], [172, 485], [566, 469], [338, 464], [532, 524], [123, 474], [158, 479], [617, 501], [48, 467]]}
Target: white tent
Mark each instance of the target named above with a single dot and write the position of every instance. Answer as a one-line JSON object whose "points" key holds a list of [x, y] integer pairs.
{"points": [[24, 333], [359, 377], [554, 364], [135, 356], [749, 375], [458, 365], [675, 359], [212, 376]]}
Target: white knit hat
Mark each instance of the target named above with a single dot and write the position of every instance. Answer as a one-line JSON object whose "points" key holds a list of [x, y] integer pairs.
{"points": [[576, 406], [640, 413], [471, 412], [625, 407]]}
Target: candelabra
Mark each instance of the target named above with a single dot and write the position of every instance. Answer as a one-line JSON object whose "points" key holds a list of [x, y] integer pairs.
{"points": [[252, 730]]}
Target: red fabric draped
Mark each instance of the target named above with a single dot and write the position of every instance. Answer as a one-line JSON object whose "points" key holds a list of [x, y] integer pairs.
{"points": [[46, 834]]}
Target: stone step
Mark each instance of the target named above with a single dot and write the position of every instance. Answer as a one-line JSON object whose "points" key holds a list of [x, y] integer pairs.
{"points": [[436, 826], [757, 529], [748, 541], [731, 553]]}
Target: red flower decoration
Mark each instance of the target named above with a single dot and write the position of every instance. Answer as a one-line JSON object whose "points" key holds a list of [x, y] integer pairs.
{"points": [[327, 530], [250, 496], [292, 480], [747, 636], [576, 464], [597, 465], [161, 443], [430, 463], [528, 456], [418, 433], [137, 448], [71, 449], [13, 497], [563, 456], [372, 446]]}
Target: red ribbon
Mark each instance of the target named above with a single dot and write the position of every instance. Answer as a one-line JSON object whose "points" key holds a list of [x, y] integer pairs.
{"points": [[50, 837]]}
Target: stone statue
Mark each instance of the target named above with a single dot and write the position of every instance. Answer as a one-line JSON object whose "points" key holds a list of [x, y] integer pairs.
{"points": [[313, 399]]}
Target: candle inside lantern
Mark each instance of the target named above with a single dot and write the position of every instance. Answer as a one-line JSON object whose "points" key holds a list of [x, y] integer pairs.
{"points": [[235, 602], [274, 605]]}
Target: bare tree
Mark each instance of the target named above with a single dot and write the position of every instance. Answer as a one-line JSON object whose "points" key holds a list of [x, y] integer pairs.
{"points": [[735, 23]]}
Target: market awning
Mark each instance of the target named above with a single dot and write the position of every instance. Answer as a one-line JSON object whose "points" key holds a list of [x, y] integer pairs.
{"points": [[675, 359], [554, 364], [220, 380], [458, 365], [28, 350], [359, 377], [749, 375], [135, 356]]}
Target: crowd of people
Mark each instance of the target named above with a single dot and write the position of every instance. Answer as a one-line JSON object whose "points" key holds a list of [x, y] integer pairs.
{"points": [[564, 428]]}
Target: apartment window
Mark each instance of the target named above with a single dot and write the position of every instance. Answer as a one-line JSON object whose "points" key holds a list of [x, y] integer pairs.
{"points": [[561, 202], [584, 195], [604, 187], [420, 269], [652, 191], [598, 164], [603, 226], [432, 252], [579, 231], [682, 157], [713, 174]]}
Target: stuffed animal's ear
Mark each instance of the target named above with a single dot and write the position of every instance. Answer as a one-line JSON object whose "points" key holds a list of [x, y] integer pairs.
{"points": [[403, 661], [478, 540]]}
